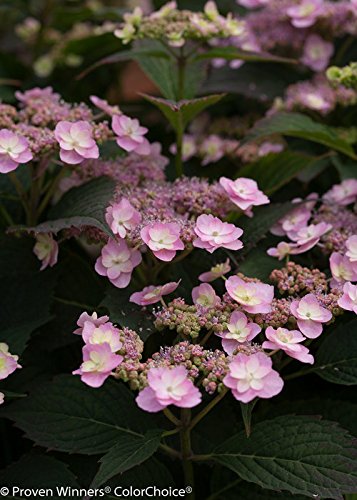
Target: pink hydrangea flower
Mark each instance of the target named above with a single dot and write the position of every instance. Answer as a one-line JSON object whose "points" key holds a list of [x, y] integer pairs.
{"points": [[168, 386], [98, 363], [205, 296], [130, 134], [348, 301], [46, 250], [102, 334], [341, 269], [252, 4], [252, 376], [211, 149], [117, 262], [240, 330], [305, 13], [163, 238], [253, 297], [213, 234], [317, 53], [152, 294], [215, 272], [76, 141], [93, 318], [292, 222], [189, 147], [310, 315], [244, 193], [104, 106], [307, 237], [14, 149], [351, 245], [8, 362], [289, 342], [122, 217], [342, 194], [282, 250]]}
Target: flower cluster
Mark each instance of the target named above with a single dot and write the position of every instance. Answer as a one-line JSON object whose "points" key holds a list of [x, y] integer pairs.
{"points": [[175, 27], [346, 76], [8, 364]]}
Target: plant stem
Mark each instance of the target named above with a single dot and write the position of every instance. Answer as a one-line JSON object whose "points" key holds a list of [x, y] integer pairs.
{"points": [[181, 70], [208, 408], [186, 452], [168, 414]]}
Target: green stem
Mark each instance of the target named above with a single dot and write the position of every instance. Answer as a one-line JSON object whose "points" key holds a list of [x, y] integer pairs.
{"points": [[208, 408], [168, 414], [186, 452], [298, 374], [20, 191], [50, 192], [181, 74], [169, 451], [179, 146], [74, 304]]}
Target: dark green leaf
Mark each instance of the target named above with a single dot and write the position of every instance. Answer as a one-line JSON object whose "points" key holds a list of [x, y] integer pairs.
{"points": [[233, 53], [126, 313], [336, 359], [302, 455], [81, 206], [38, 471], [181, 113], [299, 125], [128, 452], [67, 415], [275, 170]]}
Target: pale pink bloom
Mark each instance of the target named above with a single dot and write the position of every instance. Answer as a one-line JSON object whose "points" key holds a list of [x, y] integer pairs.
{"points": [[282, 250], [46, 250], [316, 101], [289, 342], [8, 362], [310, 315], [305, 13], [240, 330], [294, 220], [189, 147], [163, 238], [76, 141], [348, 301], [14, 149], [341, 269], [215, 272], [98, 363], [267, 148], [117, 262], [102, 334], [244, 193], [130, 134], [307, 237], [252, 376], [253, 297], [168, 386], [351, 245], [211, 149], [122, 217], [93, 318], [2, 397], [213, 233], [317, 52], [205, 296], [152, 294], [104, 106], [342, 194], [252, 4]]}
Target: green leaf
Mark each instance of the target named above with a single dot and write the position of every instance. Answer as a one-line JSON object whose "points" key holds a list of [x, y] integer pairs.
{"points": [[181, 113], [66, 415], [81, 206], [336, 359], [233, 53], [302, 455], [257, 227], [125, 313], [38, 471], [275, 170], [25, 293], [128, 452], [299, 125]]}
